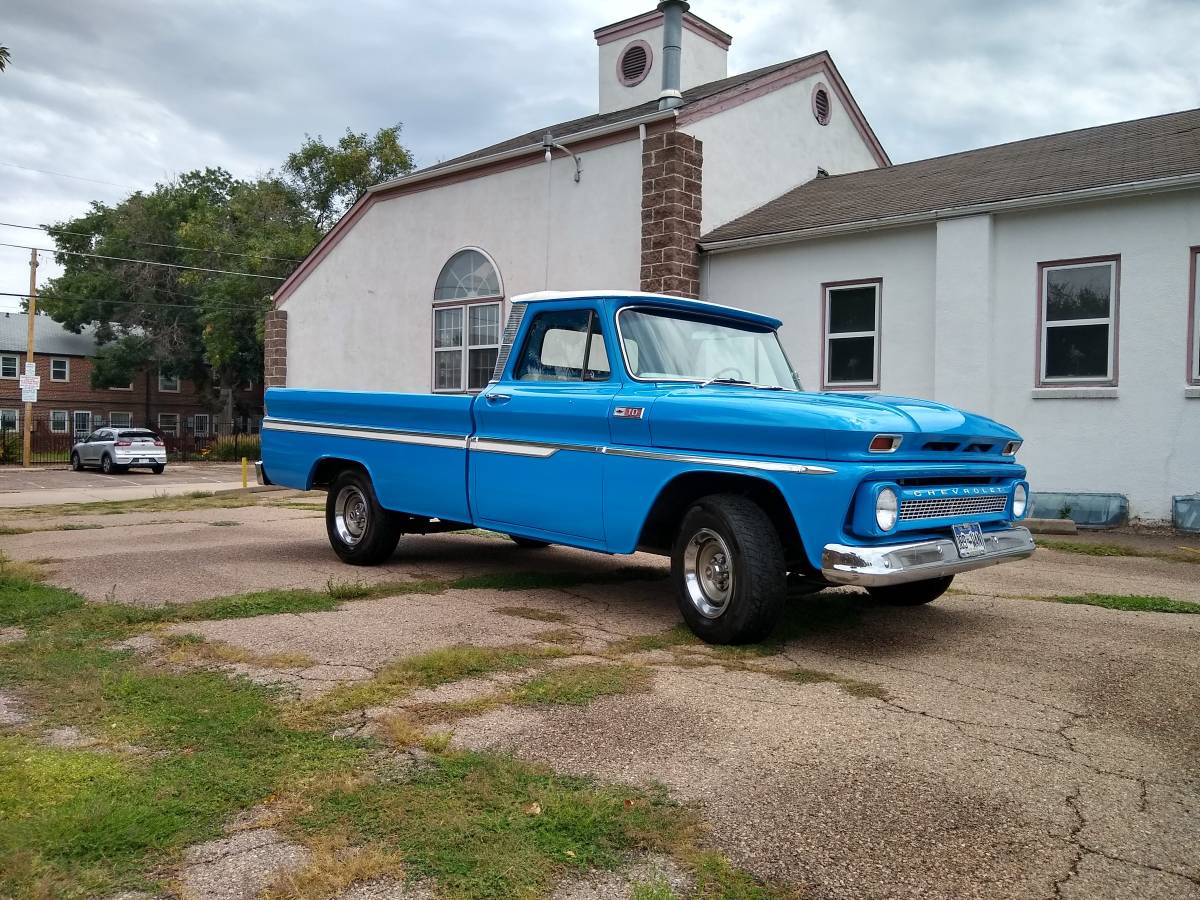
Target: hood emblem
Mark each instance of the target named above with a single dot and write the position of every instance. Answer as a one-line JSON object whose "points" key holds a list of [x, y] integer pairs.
{"points": [[628, 412]]}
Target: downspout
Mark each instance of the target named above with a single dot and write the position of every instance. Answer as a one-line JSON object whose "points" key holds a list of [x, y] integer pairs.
{"points": [[672, 11]]}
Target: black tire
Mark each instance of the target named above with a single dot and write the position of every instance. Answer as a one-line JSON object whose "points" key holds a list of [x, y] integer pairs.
{"points": [[361, 532], [76, 463], [158, 468], [914, 593], [755, 574], [528, 543], [108, 467]]}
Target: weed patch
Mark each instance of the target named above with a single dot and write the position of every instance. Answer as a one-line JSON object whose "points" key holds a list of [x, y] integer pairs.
{"points": [[678, 636], [1089, 549], [192, 649], [580, 685], [1129, 603], [532, 613], [176, 502], [567, 636], [332, 868]]}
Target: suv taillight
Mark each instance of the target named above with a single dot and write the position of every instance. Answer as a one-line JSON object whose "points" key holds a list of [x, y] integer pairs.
{"points": [[124, 444], [158, 442]]}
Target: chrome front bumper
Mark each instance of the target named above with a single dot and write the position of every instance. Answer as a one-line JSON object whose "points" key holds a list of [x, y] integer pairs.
{"points": [[260, 474], [901, 563]]}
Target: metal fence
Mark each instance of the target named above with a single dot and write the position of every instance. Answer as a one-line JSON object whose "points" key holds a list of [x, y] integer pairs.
{"points": [[193, 438]]}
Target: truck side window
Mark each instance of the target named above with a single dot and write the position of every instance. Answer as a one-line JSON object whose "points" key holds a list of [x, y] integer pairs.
{"points": [[556, 345]]}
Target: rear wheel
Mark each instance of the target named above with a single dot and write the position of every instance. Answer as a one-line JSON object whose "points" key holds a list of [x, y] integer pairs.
{"points": [[108, 467], [158, 468], [914, 593], [76, 463], [361, 532], [528, 543], [729, 570]]}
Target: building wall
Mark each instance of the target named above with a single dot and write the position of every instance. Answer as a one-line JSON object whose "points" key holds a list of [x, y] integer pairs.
{"points": [[764, 147], [959, 324], [362, 319], [701, 61]]}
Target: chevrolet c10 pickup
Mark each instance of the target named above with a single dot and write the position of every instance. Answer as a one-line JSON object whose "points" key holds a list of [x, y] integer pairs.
{"points": [[619, 422]]}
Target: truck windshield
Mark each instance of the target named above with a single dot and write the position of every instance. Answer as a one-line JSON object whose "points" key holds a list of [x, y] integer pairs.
{"points": [[674, 345]]}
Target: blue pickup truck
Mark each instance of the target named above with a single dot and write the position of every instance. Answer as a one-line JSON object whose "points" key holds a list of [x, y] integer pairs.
{"points": [[620, 421]]}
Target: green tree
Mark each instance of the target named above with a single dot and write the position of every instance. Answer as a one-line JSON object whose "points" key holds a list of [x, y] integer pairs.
{"points": [[204, 326], [5, 58], [331, 177]]}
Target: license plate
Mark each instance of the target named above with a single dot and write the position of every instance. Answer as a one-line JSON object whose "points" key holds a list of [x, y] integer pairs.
{"points": [[969, 540]]}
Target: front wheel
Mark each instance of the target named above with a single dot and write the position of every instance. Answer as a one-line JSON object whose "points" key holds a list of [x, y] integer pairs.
{"points": [[729, 570], [361, 532], [76, 463], [914, 593]]}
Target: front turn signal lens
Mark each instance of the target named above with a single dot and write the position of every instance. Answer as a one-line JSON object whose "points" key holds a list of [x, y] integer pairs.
{"points": [[885, 443], [1011, 448]]}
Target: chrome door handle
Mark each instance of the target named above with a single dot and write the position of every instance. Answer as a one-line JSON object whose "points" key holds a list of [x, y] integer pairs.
{"points": [[498, 398]]}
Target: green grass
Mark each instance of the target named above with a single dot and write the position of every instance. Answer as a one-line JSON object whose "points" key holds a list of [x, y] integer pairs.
{"points": [[489, 826], [679, 635], [580, 685], [193, 500], [1089, 549], [533, 613], [1129, 603]]}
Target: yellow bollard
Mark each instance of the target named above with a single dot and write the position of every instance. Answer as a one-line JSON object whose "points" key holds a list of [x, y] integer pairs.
{"points": [[245, 482]]}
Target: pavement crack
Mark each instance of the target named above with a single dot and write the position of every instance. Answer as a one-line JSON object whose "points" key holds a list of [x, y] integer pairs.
{"points": [[1072, 802]]}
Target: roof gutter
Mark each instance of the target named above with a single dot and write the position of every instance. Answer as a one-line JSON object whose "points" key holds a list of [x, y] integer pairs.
{"points": [[538, 148], [1017, 204]]}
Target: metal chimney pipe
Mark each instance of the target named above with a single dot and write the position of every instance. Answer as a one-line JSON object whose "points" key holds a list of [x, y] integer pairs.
{"points": [[672, 11]]}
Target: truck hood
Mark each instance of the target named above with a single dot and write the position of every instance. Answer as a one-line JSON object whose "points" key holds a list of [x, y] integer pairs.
{"points": [[831, 426]]}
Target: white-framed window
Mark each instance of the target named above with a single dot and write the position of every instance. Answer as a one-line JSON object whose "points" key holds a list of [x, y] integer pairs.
{"points": [[168, 384], [1078, 303], [10, 420], [60, 369], [201, 425], [60, 419], [120, 419], [468, 301], [81, 421], [850, 344], [1194, 318], [168, 423], [10, 366]]}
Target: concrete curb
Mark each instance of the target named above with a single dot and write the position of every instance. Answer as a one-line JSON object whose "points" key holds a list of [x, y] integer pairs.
{"points": [[1051, 526]]}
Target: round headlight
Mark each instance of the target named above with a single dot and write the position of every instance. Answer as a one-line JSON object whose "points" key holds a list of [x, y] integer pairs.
{"points": [[1020, 500], [887, 507]]}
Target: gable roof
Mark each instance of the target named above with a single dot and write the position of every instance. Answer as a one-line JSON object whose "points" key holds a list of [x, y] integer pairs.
{"points": [[1139, 153], [48, 336]]}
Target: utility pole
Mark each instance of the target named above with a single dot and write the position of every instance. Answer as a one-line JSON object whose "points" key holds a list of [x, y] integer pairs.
{"points": [[27, 455]]}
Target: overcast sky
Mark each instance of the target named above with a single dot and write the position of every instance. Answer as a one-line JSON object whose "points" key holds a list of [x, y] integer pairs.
{"points": [[133, 91]]}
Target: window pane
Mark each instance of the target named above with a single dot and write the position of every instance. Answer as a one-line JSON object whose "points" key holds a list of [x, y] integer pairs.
{"points": [[852, 359], [480, 365], [8, 366], [1077, 351], [851, 309], [554, 347], [468, 274], [1081, 293], [447, 327], [447, 370], [58, 420], [484, 324], [8, 419]]}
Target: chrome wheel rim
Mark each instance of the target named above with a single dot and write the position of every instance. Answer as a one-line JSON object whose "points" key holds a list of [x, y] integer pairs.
{"points": [[350, 515], [708, 573]]}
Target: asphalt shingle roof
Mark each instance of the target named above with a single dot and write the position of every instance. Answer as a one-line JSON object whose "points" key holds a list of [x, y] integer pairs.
{"points": [[48, 336], [563, 130], [1122, 153]]}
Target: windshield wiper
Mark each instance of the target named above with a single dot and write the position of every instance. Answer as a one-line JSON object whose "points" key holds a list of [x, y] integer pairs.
{"points": [[743, 382]]}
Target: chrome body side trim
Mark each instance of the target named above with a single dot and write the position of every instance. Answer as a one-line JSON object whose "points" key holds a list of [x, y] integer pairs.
{"points": [[365, 431], [903, 563], [532, 448]]}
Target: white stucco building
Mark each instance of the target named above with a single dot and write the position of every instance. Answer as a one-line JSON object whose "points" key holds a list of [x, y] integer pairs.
{"points": [[1049, 283]]}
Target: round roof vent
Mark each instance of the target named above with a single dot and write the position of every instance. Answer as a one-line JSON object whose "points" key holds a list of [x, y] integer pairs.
{"points": [[633, 65], [822, 107]]}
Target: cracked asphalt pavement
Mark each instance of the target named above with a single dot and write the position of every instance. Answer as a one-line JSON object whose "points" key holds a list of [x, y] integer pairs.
{"points": [[1009, 748]]}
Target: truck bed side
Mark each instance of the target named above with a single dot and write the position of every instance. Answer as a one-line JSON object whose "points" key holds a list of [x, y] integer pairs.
{"points": [[414, 446]]}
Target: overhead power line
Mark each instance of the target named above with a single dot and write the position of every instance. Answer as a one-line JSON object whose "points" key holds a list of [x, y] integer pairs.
{"points": [[66, 175], [229, 306], [145, 262], [157, 244]]}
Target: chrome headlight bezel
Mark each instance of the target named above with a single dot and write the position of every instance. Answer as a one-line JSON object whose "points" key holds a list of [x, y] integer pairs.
{"points": [[1020, 500]]}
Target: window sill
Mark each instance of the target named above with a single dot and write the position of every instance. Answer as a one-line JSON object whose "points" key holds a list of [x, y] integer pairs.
{"points": [[1192, 393], [1074, 393]]}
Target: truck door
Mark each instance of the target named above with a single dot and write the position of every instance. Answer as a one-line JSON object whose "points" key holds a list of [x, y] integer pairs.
{"points": [[535, 460]]}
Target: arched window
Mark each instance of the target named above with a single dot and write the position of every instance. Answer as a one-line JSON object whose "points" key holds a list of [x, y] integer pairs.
{"points": [[466, 322]]}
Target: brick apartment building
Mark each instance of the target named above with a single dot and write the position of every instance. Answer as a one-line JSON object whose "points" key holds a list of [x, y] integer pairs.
{"points": [[69, 405]]}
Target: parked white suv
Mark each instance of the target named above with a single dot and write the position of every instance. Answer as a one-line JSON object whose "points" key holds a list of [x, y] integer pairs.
{"points": [[120, 449]]}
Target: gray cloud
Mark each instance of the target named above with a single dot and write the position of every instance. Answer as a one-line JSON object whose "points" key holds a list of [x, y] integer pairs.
{"points": [[134, 92]]}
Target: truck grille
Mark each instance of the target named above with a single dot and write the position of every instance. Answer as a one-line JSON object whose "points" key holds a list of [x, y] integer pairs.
{"points": [[951, 507]]}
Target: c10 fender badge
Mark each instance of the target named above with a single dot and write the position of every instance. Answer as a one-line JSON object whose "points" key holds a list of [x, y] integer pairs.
{"points": [[628, 412]]}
